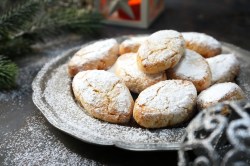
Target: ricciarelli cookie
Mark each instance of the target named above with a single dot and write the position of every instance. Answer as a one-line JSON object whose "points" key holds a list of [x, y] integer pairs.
{"points": [[103, 95], [202, 43], [192, 67], [99, 55], [224, 68], [160, 51], [126, 68], [218, 93], [131, 44], [166, 103]]}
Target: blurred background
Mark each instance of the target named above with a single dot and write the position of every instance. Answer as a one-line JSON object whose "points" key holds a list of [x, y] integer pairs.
{"points": [[28, 26]]}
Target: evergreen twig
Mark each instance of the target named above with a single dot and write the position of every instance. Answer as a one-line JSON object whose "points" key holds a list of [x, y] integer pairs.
{"points": [[70, 20], [13, 21], [19, 30], [8, 73]]}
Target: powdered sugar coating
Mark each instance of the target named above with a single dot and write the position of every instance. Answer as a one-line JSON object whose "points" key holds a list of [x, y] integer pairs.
{"points": [[166, 103], [160, 51], [224, 68], [131, 44], [218, 93], [192, 67], [99, 55], [126, 68], [103, 95], [202, 43]]}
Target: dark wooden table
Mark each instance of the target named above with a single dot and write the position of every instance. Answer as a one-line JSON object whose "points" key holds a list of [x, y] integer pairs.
{"points": [[26, 138]]}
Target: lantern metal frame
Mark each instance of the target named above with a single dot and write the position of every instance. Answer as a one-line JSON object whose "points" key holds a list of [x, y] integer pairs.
{"points": [[218, 136], [145, 19]]}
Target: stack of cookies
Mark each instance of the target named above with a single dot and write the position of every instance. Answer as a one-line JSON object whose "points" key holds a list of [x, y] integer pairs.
{"points": [[174, 73]]}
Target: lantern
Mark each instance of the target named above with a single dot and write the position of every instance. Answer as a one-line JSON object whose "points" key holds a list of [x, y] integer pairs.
{"points": [[218, 136], [134, 13]]}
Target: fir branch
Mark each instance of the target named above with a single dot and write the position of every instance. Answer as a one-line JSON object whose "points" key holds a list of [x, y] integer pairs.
{"points": [[69, 20], [15, 19], [3, 4], [16, 46], [8, 73], [19, 30]]}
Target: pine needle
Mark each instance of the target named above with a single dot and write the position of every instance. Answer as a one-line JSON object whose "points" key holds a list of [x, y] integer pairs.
{"points": [[8, 73], [15, 47], [67, 20], [30, 21], [15, 19]]}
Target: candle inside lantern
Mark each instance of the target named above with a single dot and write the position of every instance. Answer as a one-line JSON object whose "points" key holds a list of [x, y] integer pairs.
{"points": [[135, 5]]}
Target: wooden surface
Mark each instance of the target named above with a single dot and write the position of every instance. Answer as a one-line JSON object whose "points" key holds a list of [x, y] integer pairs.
{"points": [[27, 138]]}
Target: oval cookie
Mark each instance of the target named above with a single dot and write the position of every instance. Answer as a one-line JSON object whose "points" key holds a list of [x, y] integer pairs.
{"points": [[166, 103], [103, 95], [126, 68], [99, 55], [224, 68], [192, 67], [202, 43], [160, 51], [218, 93]]}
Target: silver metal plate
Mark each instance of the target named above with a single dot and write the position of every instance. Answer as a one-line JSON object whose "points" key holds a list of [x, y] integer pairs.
{"points": [[53, 96]]}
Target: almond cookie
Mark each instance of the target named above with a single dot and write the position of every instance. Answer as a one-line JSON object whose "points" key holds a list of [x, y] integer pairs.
{"points": [[131, 44], [202, 43], [218, 93], [126, 68], [160, 51], [166, 103], [192, 67], [224, 68], [99, 55], [103, 95]]}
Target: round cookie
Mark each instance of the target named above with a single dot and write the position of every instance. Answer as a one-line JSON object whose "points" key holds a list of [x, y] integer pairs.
{"points": [[160, 51], [202, 43], [218, 93], [131, 44], [99, 55], [224, 68], [166, 103], [192, 67], [126, 68], [103, 95]]}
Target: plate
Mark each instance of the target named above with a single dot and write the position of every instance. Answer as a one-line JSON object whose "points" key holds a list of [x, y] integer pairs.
{"points": [[53, 96]]}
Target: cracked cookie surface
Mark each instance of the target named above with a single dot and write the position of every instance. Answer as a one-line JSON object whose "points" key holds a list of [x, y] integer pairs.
{"points": [[160, 51], [202, 43], [99, 55], [192, 67], [131, 44], [224, 68], [126, 68], [218, 93], [165, 104], [103, 95]]}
